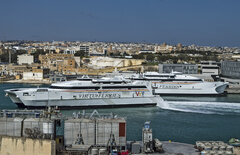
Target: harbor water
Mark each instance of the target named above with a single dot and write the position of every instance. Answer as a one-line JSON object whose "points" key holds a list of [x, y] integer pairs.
{"points": [[182, 119]]}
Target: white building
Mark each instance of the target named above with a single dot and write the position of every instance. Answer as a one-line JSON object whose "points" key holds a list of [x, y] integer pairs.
{"points": [[210, 69], [69, 51], [25, 59], [32, 75]]}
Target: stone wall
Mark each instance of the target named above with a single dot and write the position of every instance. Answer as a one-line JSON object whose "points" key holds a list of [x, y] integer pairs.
{"points": [[26, 146]]}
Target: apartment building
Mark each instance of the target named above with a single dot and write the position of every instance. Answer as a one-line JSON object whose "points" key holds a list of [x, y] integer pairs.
{"points": [[58, 62], [25, 59]]}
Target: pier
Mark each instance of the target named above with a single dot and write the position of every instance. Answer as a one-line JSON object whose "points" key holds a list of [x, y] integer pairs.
{"points": [[48, 132]]}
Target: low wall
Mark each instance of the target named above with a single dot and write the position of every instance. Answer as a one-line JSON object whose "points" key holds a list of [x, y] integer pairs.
{"points": [[237, 150], [26, 146]]}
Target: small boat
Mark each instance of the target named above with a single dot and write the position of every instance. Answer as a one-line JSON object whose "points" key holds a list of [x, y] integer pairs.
{"points": [[234, 142]]}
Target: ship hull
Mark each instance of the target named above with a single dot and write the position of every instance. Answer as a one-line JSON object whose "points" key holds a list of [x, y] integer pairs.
{"points": [[43, 100], [204, 88], [70, 104], [22, 106]]}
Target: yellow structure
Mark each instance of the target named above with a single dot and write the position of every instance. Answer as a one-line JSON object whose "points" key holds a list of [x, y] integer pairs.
{"points": [[26, 146], [67, 66], [49, 59], [57, 50], [18, 77], [103, 62]]}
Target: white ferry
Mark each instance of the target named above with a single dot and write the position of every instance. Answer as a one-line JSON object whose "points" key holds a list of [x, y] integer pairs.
{"points": [[176, 83], [107, 92]]}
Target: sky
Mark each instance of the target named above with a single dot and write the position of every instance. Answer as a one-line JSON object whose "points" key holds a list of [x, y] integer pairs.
{"points": [[200, 22]]}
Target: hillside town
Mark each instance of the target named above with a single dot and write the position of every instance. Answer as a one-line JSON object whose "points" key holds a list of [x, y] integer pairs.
{"points": [[47, 62]]}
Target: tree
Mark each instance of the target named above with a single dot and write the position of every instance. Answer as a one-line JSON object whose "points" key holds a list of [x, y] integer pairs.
{"points": [[80, 53], [5, 57], [150, 57], [37, 53], [139, 56]]}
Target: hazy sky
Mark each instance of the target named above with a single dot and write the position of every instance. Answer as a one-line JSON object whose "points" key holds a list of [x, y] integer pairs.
{"points": [[201, 22]]}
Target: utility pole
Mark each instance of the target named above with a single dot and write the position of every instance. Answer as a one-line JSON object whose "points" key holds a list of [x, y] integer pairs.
{"points": [[9, 56]]}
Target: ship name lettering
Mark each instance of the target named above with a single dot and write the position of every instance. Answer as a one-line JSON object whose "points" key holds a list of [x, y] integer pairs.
{"points": [[168, 86], [102, 95]]}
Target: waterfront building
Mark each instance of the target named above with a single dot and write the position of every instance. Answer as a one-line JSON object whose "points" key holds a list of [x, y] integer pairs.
{"points": [[183, 68], [25, 59], [3, 69], [57, 78], [35, 74], [230, 69], [210, 68], [32, 76], [11, 69]]}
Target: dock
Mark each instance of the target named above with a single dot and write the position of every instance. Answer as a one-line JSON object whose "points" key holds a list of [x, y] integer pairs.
{"points": [[36, 132]]}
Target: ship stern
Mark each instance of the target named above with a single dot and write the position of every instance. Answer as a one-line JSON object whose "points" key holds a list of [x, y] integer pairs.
{"points": [[221, 87]]}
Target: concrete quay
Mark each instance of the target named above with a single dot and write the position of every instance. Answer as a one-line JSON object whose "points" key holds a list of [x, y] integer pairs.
{"points": [[34, 132], [176, 148], [233, 90], [28, 81]]}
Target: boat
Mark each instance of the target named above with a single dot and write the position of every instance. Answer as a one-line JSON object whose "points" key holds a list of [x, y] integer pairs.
{"points": [[104, 92], [176, 83], [234, 142]]}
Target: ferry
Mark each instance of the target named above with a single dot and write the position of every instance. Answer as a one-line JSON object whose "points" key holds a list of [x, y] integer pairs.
{"points": [[105, 92], [176, 83]]}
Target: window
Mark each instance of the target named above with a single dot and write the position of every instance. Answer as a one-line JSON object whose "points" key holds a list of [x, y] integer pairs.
{"points": [[25, 94], [42, 90]]}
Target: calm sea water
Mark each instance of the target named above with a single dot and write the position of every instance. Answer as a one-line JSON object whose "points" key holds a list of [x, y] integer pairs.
{"points": [[182, 119]]}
